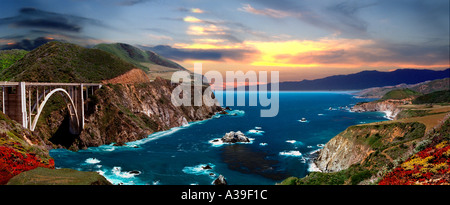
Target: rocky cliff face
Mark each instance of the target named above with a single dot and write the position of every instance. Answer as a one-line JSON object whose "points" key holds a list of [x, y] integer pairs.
{"points": [[340, 153], [390, 107], [122, 113], [374, 144]]}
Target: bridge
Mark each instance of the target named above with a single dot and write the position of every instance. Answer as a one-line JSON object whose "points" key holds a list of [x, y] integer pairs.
{"points": [[24, 101]]}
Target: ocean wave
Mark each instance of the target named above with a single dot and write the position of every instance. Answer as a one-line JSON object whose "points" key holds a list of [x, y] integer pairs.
{"points": [[217, 142], [201, 169], [119, 177], [92, 161], [292, 153], [313, 167], [255, 131], [239, 113], [262, 144]]}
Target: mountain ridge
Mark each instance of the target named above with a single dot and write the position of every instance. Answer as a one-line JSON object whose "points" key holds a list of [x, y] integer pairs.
{"points": [[366, 79]]}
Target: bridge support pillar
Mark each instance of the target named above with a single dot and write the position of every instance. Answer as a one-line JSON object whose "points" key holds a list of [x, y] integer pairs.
{"points": [[14, 103]]}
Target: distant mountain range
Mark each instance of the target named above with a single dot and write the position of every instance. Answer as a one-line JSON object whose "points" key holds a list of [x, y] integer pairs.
{"points": [[366, 79]]}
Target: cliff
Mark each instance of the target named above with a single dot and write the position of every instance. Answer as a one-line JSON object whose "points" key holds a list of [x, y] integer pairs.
{"points": [[368, 153], [129, 112], [357, 143], [390, 107]]}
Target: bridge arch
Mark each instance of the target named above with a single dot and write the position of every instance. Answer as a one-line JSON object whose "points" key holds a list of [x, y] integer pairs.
{"points": [[71, 106]]}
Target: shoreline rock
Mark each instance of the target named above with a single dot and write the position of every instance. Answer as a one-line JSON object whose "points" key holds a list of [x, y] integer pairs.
{"points": [[233, 137]]}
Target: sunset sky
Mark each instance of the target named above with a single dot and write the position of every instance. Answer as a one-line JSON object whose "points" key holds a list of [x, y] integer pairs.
{"points": [[302, 39]]}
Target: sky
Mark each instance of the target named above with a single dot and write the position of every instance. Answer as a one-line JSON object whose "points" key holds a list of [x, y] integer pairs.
{"points": [[302, 39]]}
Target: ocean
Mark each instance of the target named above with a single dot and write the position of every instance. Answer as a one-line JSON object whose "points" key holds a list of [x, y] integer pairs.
{"points": [[280, 146]]}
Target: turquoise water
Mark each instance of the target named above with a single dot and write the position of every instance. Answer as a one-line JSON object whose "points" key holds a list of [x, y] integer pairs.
{"points": [[281, 146]]}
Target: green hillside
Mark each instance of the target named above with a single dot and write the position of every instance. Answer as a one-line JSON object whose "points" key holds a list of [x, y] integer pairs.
{"points": [[442, 96], [140, 58], [9, 57], [65, 62], [400, 94]]}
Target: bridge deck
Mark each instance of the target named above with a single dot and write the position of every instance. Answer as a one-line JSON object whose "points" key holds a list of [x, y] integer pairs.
{"points": [[6, 84]]}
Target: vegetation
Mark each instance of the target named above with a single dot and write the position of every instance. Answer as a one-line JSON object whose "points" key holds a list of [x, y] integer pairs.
{"points": [[64, 62], [442, 96], [400, 94], [389, 143], [138, 57], [9, 57], [19, 150], [43, 176]]}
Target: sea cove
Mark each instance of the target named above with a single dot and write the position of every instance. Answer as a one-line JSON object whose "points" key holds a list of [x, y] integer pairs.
{"points": [[279, 146]]}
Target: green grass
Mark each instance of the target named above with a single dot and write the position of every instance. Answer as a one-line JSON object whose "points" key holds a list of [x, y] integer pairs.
{"points": [[44, 176], [400, 94]]}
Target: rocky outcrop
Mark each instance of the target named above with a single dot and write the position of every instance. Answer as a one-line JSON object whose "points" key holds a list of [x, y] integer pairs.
{"points": [[233, 137], [390, 107], [133, 76], [340, 153], [220, 180]]}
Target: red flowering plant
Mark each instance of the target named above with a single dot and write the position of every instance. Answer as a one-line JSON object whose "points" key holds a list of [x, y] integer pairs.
{"points": [[430, 166], [13, 163]]}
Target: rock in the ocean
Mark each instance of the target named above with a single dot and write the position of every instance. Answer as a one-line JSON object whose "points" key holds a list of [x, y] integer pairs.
{"points": [[233, 137], [220, 180]]}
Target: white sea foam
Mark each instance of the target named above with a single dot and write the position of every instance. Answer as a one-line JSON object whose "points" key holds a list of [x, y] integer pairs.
{"points": [[263, 144], [117, 176], [320, 114], [92, 161], [258, 128], [254, 131], [291, 141], [313, 167], [200, 170], [217, 142], [292, 153], [236, 113], [118, 172]]}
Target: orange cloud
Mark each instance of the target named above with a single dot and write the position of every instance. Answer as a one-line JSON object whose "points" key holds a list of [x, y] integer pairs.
{"points": [[325, 52], [197, 11]]}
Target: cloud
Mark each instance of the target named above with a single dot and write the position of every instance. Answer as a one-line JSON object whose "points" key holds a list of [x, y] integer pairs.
{"points": [[191, 10], [369, 53], [132, 2], [38, 19], [268, 12], [181, 54]]}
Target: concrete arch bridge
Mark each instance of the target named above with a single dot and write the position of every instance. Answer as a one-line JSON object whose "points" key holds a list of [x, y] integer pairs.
{"points": [[25, 101]]}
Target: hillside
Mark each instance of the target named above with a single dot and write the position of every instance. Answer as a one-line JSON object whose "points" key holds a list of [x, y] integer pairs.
{"points": [[366, 79], [368, 153], [400, 94], [64, 62], [9, 57], [423, 87], [442, 96], [150, 62]]}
